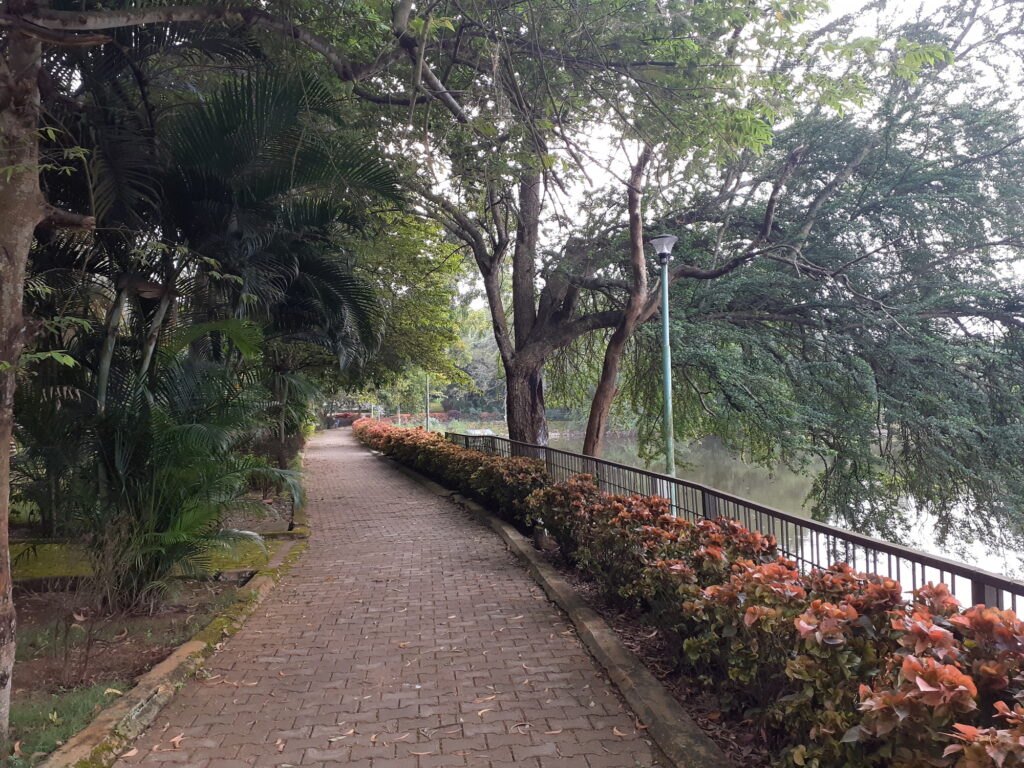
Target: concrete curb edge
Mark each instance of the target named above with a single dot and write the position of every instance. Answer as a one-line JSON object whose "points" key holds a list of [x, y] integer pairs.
{"points": [[100, 743]]}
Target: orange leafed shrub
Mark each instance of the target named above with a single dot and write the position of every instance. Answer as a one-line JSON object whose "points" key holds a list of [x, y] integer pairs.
{"points": [[838, 669]]}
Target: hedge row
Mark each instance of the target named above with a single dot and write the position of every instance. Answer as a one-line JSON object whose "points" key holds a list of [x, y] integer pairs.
{"points": [[835, 668]]}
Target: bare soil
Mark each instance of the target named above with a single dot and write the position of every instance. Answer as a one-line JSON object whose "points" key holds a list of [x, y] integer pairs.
{"points": [[62, 645]]}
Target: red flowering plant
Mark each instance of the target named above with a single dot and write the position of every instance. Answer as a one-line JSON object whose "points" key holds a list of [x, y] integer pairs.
{"points": [[993, 642], [745, 630], [909, 708], [621, 539]]}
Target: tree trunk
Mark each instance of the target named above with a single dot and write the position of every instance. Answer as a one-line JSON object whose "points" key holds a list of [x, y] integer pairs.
{"points": [[149, 348], [21, 202], [607, 385], [607, 389], [527, 421], [524, 371]]}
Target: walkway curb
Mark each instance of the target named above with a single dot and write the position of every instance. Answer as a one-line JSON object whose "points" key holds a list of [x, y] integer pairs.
{"points": [[100, 743], [674, 732]]}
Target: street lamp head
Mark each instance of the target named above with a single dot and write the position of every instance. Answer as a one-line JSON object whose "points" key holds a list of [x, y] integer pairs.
{"points": [[663, 247]]}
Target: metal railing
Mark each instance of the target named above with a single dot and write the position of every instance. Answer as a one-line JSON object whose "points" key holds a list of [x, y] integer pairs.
{"points": [[811, 544]]}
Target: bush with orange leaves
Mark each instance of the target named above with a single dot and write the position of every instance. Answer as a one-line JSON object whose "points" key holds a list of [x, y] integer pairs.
{"points": [[502, 483], [836, 668]]}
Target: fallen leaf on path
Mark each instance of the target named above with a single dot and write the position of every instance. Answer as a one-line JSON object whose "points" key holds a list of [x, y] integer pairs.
{"points": [[112, 691], [404, 645], [554, 733], [617, 732], [176, 741], [420, 754], [130, 753], [280, 745], [483, 712], [484, 698]]}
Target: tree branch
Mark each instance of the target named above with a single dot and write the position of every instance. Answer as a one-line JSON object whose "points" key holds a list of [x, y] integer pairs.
{"points": [[58, 218]]}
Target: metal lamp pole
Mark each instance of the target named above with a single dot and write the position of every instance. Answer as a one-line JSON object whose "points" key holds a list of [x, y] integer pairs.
{"points": [[426, 406], [663, 247]]}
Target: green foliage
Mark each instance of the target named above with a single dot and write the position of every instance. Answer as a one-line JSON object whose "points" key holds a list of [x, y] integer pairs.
{"points": [[873, 341], [192, 330], [42, 722]]}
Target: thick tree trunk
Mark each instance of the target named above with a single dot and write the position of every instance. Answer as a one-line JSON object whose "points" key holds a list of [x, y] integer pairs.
{"points": [[21, 204], [527, 421], [524, 371]]}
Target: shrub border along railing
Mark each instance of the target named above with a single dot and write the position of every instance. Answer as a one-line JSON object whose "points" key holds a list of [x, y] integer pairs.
{"points": [[809, 543], [833, 667]]}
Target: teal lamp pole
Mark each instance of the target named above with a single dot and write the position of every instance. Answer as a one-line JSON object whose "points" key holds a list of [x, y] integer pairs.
{"points": [[663, 248]]}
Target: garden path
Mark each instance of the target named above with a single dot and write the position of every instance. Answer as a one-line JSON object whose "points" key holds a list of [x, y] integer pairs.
{"points": [[407, 636]]}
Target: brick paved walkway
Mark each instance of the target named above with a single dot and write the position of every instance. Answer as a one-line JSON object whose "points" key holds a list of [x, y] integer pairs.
{"points": [[406, 637]]}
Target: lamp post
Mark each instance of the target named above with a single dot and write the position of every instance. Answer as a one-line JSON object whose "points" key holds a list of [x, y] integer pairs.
{"points": [[426, 406], [663, 248]]}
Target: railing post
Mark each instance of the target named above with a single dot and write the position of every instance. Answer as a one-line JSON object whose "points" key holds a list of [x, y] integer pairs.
{"points": [[710, 502], [984, 594]]}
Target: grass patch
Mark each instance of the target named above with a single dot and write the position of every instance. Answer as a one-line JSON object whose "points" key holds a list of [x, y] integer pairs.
{"points": [[38, 561], [248, 554], [42, 722]]}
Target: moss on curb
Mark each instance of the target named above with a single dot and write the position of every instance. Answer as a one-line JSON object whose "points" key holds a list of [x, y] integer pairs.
{"points": [[152, 695]]}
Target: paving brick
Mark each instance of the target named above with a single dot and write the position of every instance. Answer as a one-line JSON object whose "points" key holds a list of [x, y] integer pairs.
{"points": [[404, 616]]}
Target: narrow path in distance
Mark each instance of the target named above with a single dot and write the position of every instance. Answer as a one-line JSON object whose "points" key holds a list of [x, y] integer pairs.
{"points": [[406, 637]]}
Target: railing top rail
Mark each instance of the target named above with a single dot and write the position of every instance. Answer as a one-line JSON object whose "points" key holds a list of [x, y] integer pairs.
{"points": [[995, 580]]}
